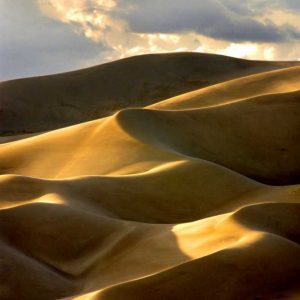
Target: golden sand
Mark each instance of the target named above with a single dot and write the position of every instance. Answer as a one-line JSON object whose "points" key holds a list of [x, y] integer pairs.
{"points": [[193, 197]]}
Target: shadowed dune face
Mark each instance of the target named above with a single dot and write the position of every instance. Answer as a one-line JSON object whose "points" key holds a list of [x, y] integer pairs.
{"points": [[138, 140], [273, 82], [231, 275], [51, 102], [235, 269], [23, 277], [254, 217], [91, 251], [239, 136], [171, 201]]}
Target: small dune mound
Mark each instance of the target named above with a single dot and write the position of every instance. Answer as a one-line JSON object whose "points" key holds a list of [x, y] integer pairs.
{"points": [[248, 254], [246, 271]]}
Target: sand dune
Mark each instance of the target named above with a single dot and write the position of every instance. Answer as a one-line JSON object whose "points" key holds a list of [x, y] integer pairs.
{"points": [[193, 197], [50, 102], [234, 274], [279, 81], [137, 140]]}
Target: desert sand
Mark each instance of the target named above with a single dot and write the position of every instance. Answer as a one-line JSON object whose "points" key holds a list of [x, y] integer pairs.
{"points": [[190, 191], [50, 102]]}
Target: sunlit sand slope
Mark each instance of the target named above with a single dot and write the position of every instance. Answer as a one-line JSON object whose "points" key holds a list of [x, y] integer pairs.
{"points": [[195, 197], [55, 101], [280, 81], [240, 136]]}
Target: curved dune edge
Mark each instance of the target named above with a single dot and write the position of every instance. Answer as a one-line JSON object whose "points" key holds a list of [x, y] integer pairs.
{"points": [[238, 243], [230, 269], [244, 257], [195, 197], [137, 140], [272, 82]]}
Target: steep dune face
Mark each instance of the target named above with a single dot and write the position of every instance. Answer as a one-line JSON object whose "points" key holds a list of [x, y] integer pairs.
{"points": [[279, 81], [239, 136], [171, 201], [50, 102]]}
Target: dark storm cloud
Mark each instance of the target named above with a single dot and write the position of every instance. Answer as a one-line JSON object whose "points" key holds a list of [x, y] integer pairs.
{"points": [[230, 20], [292, 4], [34, 45], [281, 4], [262, 6]]}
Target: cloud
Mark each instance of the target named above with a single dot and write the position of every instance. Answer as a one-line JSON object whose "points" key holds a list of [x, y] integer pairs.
{"points": [[227, 20], [97, 21], [288, 5], [92, 17], [134, 27], [31, 44], [239, 50], [46, 36]]}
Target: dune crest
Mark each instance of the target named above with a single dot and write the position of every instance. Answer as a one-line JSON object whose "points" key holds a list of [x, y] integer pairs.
{"points": [[193, 197]]}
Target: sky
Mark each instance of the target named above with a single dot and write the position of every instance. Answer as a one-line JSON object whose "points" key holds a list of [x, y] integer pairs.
{"points": [[39, 37]]}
